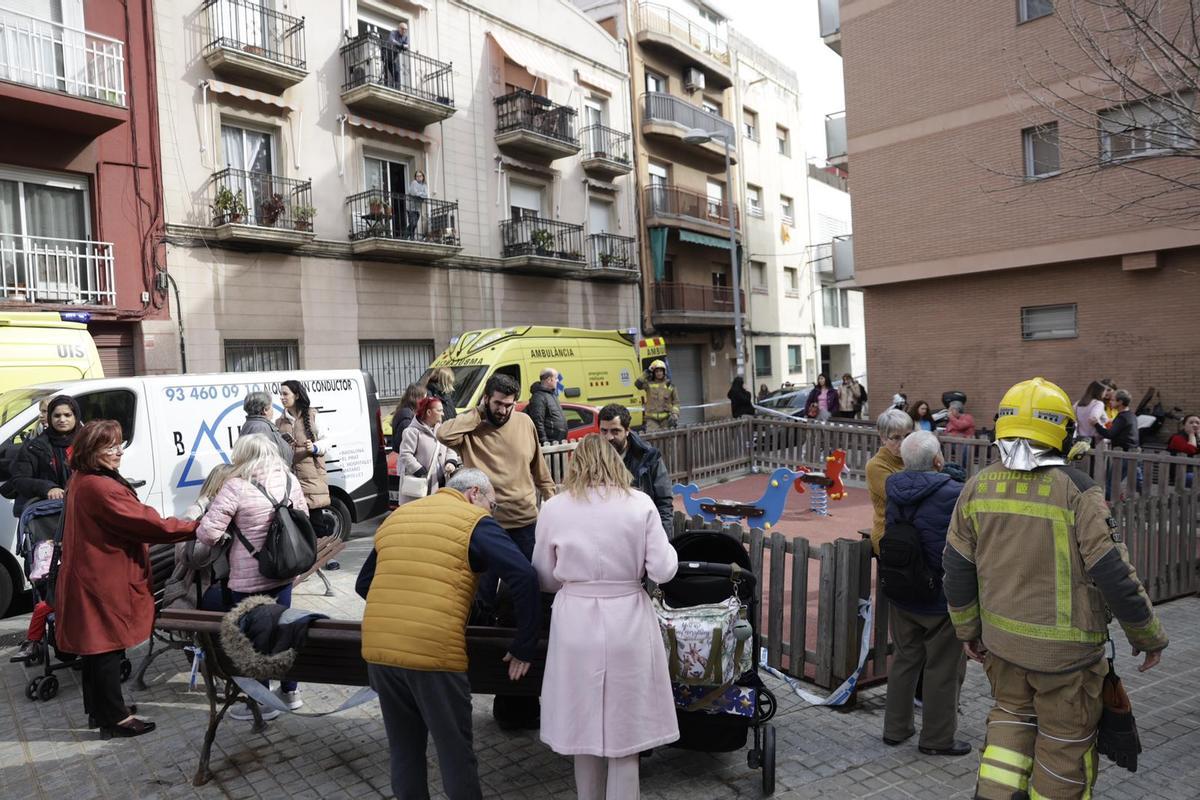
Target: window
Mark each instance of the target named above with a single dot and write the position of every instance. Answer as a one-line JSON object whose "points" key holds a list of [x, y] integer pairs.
{"points": [[716, 199], [117, 404], [1048, 322], [1155, 126], [754, 201], [260, 355], [524, 200], [750, 124], [42, 213], [711, 106], [720, 279], [1041, 150], [655, 82], [659, 178], [394, 363], [786, 209], [792, 281], [835, 307], [758, 277], [781, 136], [762, 360], [795, 358], [252, 154], [1032, 9]]}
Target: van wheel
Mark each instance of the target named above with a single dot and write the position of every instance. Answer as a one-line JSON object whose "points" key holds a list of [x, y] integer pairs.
{"points": [[340, 520], [6, 588]]}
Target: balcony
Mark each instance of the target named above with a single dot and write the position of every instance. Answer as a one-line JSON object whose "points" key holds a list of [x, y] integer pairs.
{"points": [[831, 24], [56, 76], [693, 305], [843, 258], [261, 209], [669, 118], [612, 256], [674, 207], [664, 28], [542, 246], [403, 226], [606, 151], [835, 141], [530, 126], [248, 40], [398, 84], [43, 270]]}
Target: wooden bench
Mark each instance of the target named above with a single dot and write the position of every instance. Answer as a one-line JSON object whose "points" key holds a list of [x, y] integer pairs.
{"points": [[332, 654]]}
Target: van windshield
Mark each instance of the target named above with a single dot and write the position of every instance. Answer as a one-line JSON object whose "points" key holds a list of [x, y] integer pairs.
{"points": [[14, 401], [466, 381]]}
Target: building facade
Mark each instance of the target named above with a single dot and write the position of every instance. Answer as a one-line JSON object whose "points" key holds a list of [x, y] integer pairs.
{"points": [[294, 138], [980, 266], [80, 198]]}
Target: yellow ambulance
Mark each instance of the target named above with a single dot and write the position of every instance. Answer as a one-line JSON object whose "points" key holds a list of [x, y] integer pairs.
{"points": [[45, 347], [597, 367]]}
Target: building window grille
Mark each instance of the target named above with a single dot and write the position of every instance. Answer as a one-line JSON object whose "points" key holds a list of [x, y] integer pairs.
{"points": [[1049, 322], [261, 355], [394, 363]]}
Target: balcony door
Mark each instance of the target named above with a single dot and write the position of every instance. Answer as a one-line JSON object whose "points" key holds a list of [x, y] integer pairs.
{"points": [[42, 44], [715, 192], [44, 232], [250, 155], [249, 24], [389, 181], [659, 175], [594, 119], [524, 200]]}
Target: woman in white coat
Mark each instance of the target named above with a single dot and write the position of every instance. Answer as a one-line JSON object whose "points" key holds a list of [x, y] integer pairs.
{"points": [[606, 695], [421, 454]]}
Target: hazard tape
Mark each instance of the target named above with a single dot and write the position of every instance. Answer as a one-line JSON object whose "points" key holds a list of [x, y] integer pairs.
{"points": [[842, 693]]}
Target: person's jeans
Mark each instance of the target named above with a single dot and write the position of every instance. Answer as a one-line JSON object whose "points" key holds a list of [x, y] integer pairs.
{"points": [[283, 596]]}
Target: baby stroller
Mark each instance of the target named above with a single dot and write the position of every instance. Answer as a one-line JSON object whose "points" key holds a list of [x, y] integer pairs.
{"points": [[714, 567], [39, 541]]}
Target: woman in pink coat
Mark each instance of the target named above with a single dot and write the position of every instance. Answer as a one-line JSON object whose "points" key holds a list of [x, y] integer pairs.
{"points": [[606, 695]]}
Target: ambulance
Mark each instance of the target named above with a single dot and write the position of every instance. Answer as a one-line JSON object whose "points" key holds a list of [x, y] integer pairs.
{"points": [[595, 367], [178, 427], [38, 346]]}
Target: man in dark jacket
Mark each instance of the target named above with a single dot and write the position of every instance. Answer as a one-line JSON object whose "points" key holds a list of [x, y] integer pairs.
{"points": [[922, 632], [642, 460], [257, 406], [1124, 430], [544, 409], [740, 402]]}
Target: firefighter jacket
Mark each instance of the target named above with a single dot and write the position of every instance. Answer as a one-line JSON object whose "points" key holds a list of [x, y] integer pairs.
{"points": [[1031, 561], [662, 401]]}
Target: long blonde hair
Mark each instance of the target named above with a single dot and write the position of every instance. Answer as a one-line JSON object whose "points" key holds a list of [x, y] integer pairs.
{"points": [[596, 464], [215, 480], [254, 457], [444, 378]]}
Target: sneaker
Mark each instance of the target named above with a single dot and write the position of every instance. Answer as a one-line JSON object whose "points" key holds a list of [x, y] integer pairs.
{"points": [[243, 713], [290, 699]]}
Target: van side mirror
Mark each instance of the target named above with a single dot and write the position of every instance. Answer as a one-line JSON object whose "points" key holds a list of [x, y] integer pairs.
{"points": [[572, 391]]}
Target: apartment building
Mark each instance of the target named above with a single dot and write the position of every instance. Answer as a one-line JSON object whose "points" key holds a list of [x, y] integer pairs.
{"points": [[982, 262], [296, 136], [80, 204]]}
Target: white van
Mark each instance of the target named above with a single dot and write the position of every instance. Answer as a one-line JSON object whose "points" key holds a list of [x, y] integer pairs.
{"points": [[178, 427]]}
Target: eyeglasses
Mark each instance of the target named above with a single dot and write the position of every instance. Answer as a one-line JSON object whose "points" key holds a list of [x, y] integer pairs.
{"points": [[113, 451], [896, 437]]}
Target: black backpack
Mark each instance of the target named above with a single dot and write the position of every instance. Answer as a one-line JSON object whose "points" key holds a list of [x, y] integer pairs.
{"points": [[903, 573], [290, 548]]}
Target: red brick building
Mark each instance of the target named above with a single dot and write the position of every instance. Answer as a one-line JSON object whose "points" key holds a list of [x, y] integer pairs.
{"points": [[80, 195], [981, 265]]}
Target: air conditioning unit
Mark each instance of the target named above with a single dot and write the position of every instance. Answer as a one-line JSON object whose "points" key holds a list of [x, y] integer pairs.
{"points": [[693, 79]]}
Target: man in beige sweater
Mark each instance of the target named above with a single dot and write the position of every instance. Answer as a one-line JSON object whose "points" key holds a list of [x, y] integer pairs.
{"points": [[505, 447]]}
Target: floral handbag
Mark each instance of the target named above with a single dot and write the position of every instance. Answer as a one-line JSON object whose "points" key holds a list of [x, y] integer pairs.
{"points": [[703, 645]]}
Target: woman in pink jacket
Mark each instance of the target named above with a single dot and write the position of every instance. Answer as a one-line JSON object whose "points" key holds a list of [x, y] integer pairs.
{"points": [[240, 502], [606, 695]]}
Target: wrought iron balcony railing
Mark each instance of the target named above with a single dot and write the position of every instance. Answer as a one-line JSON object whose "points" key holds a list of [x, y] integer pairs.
{"points": [[524, 110], [601, 141], [548, 238], [661, 19], [369, 59], [609, 251], [407, 217], [254, 28], [242, 197], [684, 297], [676, 202], [40, 269], [49, 55]]}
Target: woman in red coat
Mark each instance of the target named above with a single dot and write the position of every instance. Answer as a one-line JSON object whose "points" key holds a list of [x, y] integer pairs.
{"points": [[103, 595]]}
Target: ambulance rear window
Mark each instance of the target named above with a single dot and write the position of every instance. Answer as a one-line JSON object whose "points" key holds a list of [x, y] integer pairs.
{"points": [[13, 402]]}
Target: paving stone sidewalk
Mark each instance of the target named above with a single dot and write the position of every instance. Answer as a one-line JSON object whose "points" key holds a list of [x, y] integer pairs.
{"points": [[46, 752]]}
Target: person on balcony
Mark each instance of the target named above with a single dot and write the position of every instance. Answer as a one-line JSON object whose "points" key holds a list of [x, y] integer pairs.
{"points": [[418, 193], [395, 58]]}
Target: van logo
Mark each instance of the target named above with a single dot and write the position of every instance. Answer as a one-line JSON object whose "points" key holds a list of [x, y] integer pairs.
{"points": [[552, 352], [70, 351]]}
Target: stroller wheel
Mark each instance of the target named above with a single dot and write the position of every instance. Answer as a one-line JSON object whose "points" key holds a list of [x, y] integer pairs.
{"points": [[31, 688], [766, 705], [126, 669], [768, 760], [48, 689], [754, 758]]}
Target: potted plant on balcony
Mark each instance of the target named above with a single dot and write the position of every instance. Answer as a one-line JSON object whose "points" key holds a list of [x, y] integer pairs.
{"points": [[378, 208], [228, 206], [613, 260], [271, 210], [302, 217], [542, 241]]}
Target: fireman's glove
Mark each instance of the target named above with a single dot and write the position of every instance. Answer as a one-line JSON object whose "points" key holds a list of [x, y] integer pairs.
{"points": [[1118, 737], [1079, 450]]}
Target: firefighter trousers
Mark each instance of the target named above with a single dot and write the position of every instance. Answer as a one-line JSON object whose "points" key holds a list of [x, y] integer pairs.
{"points": [[1041, 733]]}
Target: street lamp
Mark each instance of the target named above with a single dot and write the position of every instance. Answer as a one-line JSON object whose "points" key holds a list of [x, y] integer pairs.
{"points": [[699, 136]]}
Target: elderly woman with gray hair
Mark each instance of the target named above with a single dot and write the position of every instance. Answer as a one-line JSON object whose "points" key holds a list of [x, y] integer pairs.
{"points": [[922, 633], [257, 406], [893, 425]]}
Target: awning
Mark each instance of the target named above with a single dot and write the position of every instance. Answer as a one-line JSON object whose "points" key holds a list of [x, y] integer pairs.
{"points": [[703, 239], [658, 252], [596, 80], [534, 58], [383, 127], [247, 94]]}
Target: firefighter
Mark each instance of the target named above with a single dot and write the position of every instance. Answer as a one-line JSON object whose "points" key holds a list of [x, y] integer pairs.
{"points": [[1032, 558], [662, 401]]}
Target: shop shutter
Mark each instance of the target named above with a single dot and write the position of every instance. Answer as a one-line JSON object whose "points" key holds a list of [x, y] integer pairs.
{"points": [[115, 347]]}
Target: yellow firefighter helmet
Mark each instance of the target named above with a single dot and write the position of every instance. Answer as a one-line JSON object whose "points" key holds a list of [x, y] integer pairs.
{"points": [[1037, 410], [658, 363]]}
